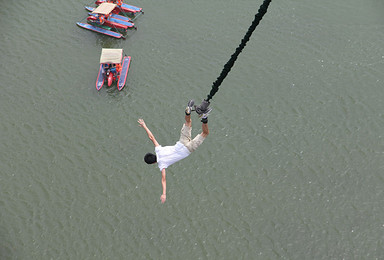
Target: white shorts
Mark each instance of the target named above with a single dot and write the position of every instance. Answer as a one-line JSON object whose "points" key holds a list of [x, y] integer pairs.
{"points": [[185, 138]]}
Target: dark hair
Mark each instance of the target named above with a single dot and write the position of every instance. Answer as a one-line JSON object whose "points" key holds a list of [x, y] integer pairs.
{"points": [[150, 158]]}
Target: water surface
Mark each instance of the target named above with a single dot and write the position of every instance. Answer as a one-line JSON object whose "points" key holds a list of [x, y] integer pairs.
{"points": [[292, 169]]}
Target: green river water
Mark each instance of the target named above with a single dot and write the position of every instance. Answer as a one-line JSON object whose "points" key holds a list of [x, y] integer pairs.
{"points": [[293, 167]]}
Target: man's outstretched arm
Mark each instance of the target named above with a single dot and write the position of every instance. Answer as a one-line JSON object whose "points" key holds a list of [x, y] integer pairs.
{"points": [[150, 135], [163, 196]]}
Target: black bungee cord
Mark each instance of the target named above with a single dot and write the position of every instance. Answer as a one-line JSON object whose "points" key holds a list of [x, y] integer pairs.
{"points": [[228, 66]]}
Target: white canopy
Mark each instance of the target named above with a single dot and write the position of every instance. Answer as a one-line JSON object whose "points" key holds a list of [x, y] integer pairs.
{"points": [[111, 56], [104, 8]]}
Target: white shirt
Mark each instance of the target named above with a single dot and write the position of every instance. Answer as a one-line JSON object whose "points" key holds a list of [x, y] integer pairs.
{"points": [[168, 155]]}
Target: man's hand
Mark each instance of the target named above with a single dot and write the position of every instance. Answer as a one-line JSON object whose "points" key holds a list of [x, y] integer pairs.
{"points": [[141, 122], [163, 197], [150, 135]]}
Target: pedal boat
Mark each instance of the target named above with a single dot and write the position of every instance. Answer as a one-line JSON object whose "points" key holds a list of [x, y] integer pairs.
{"points": [[113, 68], [102, 16]]}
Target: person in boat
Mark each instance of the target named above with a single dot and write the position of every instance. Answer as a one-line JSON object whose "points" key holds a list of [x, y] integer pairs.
{"points": [[168, 155], [113, 68], [101, 19], [118, 2], [118, 68]]}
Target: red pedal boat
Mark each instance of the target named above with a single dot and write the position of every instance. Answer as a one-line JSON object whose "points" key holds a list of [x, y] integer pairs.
{"points": [[113, 67], [101, 16]]}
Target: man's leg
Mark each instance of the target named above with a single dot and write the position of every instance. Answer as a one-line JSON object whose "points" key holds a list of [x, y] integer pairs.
{"points": [[186, 130], [199, 139], [204, 120], [188, 120], [205, 129], [188, 110]]}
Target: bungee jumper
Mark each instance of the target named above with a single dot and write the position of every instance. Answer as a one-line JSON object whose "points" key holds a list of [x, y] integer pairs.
{"points": [[168, 155]]}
